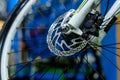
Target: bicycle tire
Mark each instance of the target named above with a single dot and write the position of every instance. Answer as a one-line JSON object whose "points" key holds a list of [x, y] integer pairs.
{"points": [[6, 28]]}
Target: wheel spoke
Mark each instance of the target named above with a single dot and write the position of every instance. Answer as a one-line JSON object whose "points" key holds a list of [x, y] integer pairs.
{"points": [[89, 65], [107, 58], [107, 48], [25, 65]]}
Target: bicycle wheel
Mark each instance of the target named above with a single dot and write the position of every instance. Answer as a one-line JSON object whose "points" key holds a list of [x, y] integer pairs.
{"points": [[25, 53], [15, 17]]}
